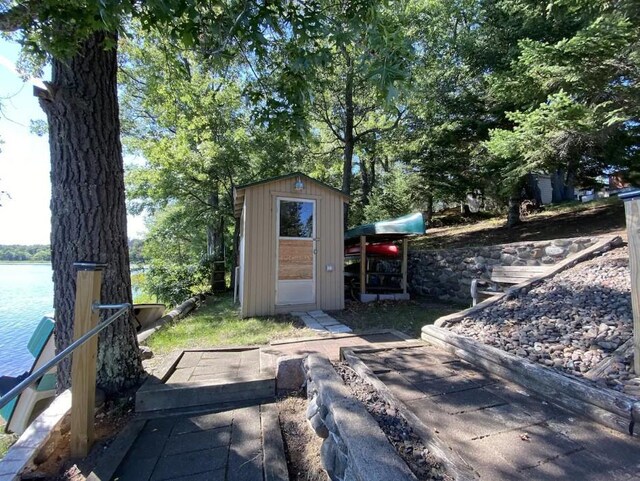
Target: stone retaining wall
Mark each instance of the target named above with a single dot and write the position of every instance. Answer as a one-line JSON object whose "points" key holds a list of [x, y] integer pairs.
{"points": [[446, 274], [354, 446]]}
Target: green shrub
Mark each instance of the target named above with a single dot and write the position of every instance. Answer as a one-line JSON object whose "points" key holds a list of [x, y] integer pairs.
{"points": [[173, 283]]}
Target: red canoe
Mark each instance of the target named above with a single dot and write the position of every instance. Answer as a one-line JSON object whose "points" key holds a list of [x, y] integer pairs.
{"points": [[384, 250]]}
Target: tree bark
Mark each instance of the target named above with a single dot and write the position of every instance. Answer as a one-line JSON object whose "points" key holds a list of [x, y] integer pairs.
{"points": [[349, 140], [513, 214], [428, 213], [557, 186], [366, 185], [236, 251], [368, 173], [215, 230], [88, 214], [569, 182]]}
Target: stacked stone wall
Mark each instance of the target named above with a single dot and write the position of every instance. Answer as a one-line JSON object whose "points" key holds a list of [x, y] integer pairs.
{"points": [[446, 274], [350, 435]]}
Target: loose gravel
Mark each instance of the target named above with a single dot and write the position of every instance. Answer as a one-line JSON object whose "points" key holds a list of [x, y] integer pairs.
{"points": [[408, 444], [571, 322]]}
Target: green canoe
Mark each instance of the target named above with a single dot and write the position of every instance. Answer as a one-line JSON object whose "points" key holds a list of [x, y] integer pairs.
{"points": [[408, 225]]}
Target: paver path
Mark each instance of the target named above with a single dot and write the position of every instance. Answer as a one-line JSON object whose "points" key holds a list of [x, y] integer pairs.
{"points": [[219, 446], [503, 431], [220, 366], [242, 444], [320, 321], [330, 346]]}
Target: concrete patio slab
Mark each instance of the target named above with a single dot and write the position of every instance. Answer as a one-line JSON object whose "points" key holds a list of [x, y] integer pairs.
{"points": [[225, 445], [504, 431]]}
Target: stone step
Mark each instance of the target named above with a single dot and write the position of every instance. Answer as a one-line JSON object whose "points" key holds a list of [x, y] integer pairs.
{"points": [[177, 396], [212, 377], [238, 444]]}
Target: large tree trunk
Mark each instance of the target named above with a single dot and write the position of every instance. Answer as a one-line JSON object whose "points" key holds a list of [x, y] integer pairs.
{"points": [[88, 214]]}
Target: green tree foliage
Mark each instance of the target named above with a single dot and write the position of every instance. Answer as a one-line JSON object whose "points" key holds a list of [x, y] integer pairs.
{"points": [[393, 196], [32, 253], [365, 58], [579, 92], [177, 265], [79, 38], [135, 251], [187, 117]]}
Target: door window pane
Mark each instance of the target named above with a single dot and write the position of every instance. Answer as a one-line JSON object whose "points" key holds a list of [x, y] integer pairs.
{"points": [[296, 219]]}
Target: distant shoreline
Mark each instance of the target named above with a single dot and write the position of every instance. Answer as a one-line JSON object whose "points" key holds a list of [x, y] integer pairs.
{"points": [[48, 263]]}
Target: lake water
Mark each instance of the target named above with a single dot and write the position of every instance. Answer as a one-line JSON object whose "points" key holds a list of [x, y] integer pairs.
{"points": [[26, 294]]}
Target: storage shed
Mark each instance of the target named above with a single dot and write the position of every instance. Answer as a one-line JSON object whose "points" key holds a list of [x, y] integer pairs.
{"points": [[291, 245]]}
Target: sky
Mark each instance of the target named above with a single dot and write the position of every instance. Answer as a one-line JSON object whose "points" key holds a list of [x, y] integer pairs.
{"points": [[25, 217]]}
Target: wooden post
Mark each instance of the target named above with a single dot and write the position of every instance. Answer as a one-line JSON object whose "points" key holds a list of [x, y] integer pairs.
{"points": [[632, 213], [405, 255], [83, 368], [363, 264]]}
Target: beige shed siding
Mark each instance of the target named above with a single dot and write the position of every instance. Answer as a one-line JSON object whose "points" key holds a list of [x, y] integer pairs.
{"points": [[260, 246]]}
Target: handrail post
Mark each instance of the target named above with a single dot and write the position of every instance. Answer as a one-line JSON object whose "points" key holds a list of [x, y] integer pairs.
{"points": [[83, 367], [632, 215]]}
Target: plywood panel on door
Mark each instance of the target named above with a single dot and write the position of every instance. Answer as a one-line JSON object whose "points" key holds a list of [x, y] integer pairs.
{"points": [[295, 259]]}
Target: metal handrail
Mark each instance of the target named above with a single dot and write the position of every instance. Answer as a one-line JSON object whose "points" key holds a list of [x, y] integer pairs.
{"points": [[122, 308]]}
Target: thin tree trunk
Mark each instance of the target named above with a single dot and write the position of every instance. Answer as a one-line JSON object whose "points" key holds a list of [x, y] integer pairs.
{"points": [[349, 140], [215, 230], [428, 213], [569, 183], [368, 180], [513, 214], [236, 251], [366, 186], [557, 186], [88, 214]]}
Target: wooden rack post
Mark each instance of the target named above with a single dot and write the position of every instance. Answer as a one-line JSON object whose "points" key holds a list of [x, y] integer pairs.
{"points": [[405, 264], [363, 264], [632, 213], [83, 368]]}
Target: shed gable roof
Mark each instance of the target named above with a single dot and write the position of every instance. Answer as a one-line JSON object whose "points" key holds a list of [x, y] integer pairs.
{"points": [[238, 192]]}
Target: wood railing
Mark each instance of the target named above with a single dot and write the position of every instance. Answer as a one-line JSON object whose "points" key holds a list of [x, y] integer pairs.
{"points": [[84, 349]]}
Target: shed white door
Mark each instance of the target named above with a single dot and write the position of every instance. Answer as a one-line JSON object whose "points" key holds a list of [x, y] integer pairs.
{"points": [[296, 260]]}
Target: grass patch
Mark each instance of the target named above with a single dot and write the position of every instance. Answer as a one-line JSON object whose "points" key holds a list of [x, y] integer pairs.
{"points": [[577, 206], [6, 440], [216, 323], [408, 317], [571, 219]]}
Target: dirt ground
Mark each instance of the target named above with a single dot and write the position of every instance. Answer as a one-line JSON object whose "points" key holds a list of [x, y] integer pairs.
{"points": [[595, 219], [301, 444], [60, 467]]}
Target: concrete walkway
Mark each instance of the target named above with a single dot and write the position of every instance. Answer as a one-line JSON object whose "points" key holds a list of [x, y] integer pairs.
{"points": [[503, 431], [234, 445], [320, 321], [202, 415], [330, 346]]}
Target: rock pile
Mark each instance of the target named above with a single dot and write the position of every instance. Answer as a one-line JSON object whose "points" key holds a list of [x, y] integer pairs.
{"points": [[571, 322], [446, 274], [408, 444]]}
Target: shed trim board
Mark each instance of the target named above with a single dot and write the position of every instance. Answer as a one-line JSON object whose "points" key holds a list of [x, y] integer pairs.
{"points": [[238, 191], [258, 206]]}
